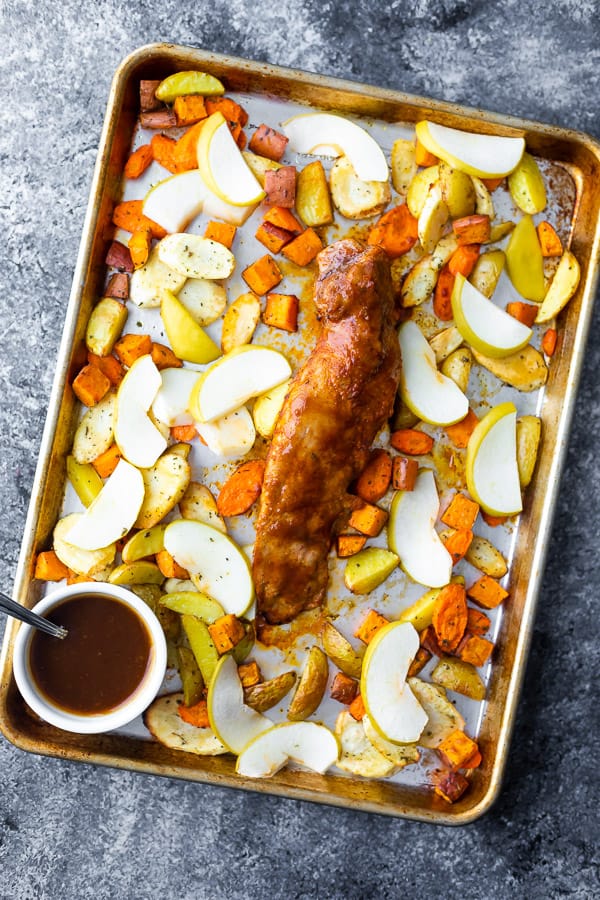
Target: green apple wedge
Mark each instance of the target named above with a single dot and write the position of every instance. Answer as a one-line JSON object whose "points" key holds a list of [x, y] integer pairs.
{"points": [[330, 135], [306, 743], [430, 395], [222, 165], [180, 84], [188, 340], [483, 325], [481, 155], [234, 723], [492, 472]]}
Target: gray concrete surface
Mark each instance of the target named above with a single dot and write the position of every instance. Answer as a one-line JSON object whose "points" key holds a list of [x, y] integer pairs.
{"points": [[79, 832]]}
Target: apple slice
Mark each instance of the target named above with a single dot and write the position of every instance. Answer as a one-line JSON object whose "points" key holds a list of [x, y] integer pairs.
{"points": [[484, 325], [188, 340], [412, 536], [492, 472], [326, 134], [234, 723], [221, 566], [390, 704], [231, 436], [175, 201], [310, 745], [482, 155], [243, 373], [222, 165], [430, 395], [138, 439], [172, 400], [112, 513]]}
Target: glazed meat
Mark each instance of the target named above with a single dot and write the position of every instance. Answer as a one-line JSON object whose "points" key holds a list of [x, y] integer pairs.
{"points": [[335, 406]]}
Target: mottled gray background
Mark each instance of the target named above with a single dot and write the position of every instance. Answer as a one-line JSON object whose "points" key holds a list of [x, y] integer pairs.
{"points": [[79, 832]]}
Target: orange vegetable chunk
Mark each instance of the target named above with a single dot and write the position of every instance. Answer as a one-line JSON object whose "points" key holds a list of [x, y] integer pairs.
{"points": [[463, 260], [461, 513], [226, 632], [357, 708], [374, 480], [189, 109], [283, 218], [422, 156], [460, 432], [475, 650], [349, 544], [549, 341], [263, 275], [131, 346], [138, 162], [396, 231], [163, 357], [472, 229], [106, 463], [487, 592], [221, 232], [450, 615], [370, 625], [48, 567], [368, 519], [404, 473], [477, 622], [442, 295], [281, 311], [411, 442], [457, 544], [242, 489], [524, 312], [456, 749], [343, 689], [91, 385], [128, 215], [169, 567], [196, 715], [303, 249], [549, 240]]}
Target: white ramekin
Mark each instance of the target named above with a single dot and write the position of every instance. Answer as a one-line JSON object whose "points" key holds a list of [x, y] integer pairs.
{"points": [[139, 700]]}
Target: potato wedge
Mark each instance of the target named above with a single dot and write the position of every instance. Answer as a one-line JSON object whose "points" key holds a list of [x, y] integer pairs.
{"points": [[526, 186], [267, 408], [199, 504], [368, 568], [165, 484], [445, 343], [146, 284], [243, 649], [484, 556], [456, 675], [313, 201], [195, 256], [403, 416], [341, 652], [484, 205], [399, 755], [144, 543], [311, 686], [84, 562], [86, 482], [443, 250], [192, 681], [420, 613], [164, 723], [202, 645], [563, 286], [354, 198], [204, 300], [358, 755], [499, 231], [193, 603], [240, 321], [105, 325], [487, 271], [432, 218], [420, 282], [442, 716], [260, 165], [457, 366], [419, 188], [95, 433], [182, 449], [529, 433], [458, 191], [403, 164], [175, 585], [266, 694], [149, 593], [142, 571], [525, 370]]}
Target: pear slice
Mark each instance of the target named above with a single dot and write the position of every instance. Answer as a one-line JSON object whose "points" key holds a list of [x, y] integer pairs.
{"points": [[234, 723], [222, 569], [310, 745], [326, 134], [243, 373], [431, 396], [484, 325], [138, 439], [222, 165], [112, 513], [175, 201], [412, 536], [482, 155], [188, 340], [390, 703], [231, 436], [171, 402], [492, 472]]}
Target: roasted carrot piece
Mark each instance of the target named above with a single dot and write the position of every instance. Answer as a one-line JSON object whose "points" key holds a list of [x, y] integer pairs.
{"points": [[357, 708], [280, 187], [428, 640], [184, 154], [492, 184], [226, 632], [139, 246], [76, 578], [228, 108], [368, 519], [370, 625], [283, 218], [421, 659], [242, 489], [450, 786], [375, 478], [524, 312], [189, 109], [422, 156], [91, 385], [404, 473], [163, 151], [119, 257], [442, 296], [473, 762], [250, 674], [48, 567], [549, 341], [460, 433], [131, 346], [138, 162], [118, 286], [493, 521], [457, 544], [196, 715], [269, 143], [110, 366], [349, 544], [164, 358], [449, 617], [281, 311], [456, 749], [343, 689], [475, 650], [272, 237], [106, 463], [411, 442], [128, 215], [396, 231], [477, 622], [263, 275], [169, 567], [461, 513], [472, 229], [487, 592], [183, 433], [221, 232], [549, 240], [463, 259]]}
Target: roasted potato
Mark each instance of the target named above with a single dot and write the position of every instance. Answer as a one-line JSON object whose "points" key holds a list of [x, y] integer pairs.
{"points": [[204, 300], [484, 205], [105, 325], [95, 433], [199, 504], [420, 613], [86, 482], [341, 652], [563, 286], [148, 283], [144, 543], [483, 555], [445, 342], [420, 282], [311, 686], [432, 218], [526, 186], [163, 722], [193, 603], [458, 191], [487, 271], [457, 675], [403, 164], [442, 716], [368, 568], [84, 562], [240, 321], [524, 370], [202, 645], [529, 433], [358, 755], [457, 366], [266, 694], [267, 407], [192, 681], [443, 250], [419, 188], [165, 483], [499, 231], [195, 256], [354, 198], [313, 201]]}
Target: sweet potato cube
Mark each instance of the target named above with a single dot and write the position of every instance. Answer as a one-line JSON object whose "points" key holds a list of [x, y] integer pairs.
{"points": [[457, 543], [118, 286], [461, 513], [91, 385], [148, 99], [131, 346], [48, 567], [472, 229], [229, 109], [162, 118], [163, 151], [421, 659], [129, 215], [477, 622], [357, 708], [280, 187], [375, 478], [281, 311], [549, 240], [189, 109], [463, 259], [164, 358], [221, 232], [303, 249], [263, 275], [273, 237], [475, 650], [422, 156], [460, 433], [269, 143], [524, 312], [196, 715], [283, 218], [428, 640], [349, 544], [138, 162], [109, 365], [183, 433], [184, 155], [456, 749], [139, 247], [119, 257], [451, 786], [250, 674], [106, 463], [226, 632], [370, 625], [368, 519], [169, 567], [344, 689], [404, 473], [487, 592]]}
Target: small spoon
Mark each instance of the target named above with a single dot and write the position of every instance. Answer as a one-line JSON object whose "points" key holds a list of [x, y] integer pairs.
{"points": [[25, 615]]}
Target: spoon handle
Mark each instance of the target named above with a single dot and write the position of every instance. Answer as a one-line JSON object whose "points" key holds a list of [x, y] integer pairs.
{"points": [[26, 615]]}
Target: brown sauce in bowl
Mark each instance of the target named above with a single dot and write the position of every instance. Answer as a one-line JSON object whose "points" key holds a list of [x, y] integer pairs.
{"points": [[100, 663]]}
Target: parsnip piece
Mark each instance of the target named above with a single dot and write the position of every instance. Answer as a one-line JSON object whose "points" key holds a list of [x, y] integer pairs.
{"points": [[445, 342], [458, 367], [147, 283], [484, 205], [420, 282], [442, 716], [419, 188], [458, 191], [105, 326], [404, 166], [563, 286], [432, 219], [164, 723], [359, 756], [356, 199], [487, 271]]}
